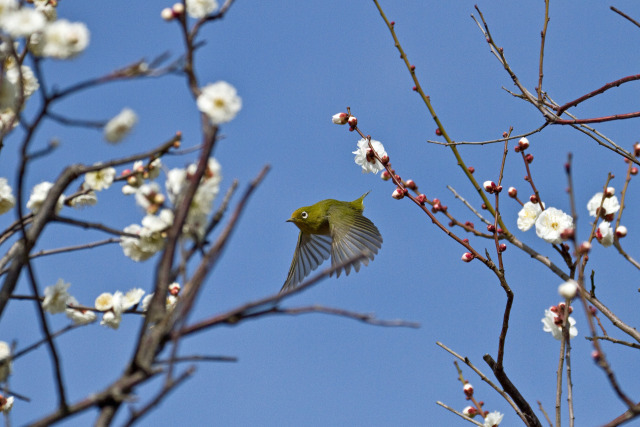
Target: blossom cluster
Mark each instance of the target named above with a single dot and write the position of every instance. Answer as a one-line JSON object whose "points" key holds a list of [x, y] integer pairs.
{"points": [[552, 225], [43, 35], [112, 305], [143, 241]]}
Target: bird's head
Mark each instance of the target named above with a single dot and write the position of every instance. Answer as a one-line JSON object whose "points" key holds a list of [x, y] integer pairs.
{"points": [[310, 219]]}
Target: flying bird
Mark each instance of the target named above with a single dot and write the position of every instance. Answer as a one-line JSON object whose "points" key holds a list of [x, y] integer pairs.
{"points": [[331, 228]]}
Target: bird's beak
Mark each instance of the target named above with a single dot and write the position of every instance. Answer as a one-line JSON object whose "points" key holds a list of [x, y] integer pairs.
{"points": [[290, 220]]}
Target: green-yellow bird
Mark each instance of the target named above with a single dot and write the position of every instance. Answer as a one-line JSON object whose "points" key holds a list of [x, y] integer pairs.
{"points": [[335, 229]]}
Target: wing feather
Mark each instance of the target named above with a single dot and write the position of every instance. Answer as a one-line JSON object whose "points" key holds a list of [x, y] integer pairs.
{"points": [[351, 238], [311, 251]]}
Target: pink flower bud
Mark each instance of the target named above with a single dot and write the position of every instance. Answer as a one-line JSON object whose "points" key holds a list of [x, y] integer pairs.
{"points": [[491, 228], [174, 288], [516, 148], [513, 192], [468, 390], [568, 289], [353, 122], [636, 149], [529, 158], [467, 257], [634, 171], [340, 118], [523, 143], [398, 193], [502, 247], [411, 184], [384, 159], [167, 14], [584, 247], [489, 186], [422, 199], [438, 132], [470, 411], [533, 199], [621, 231], [385, 176], [610, 192], [499, 189], [471, 169], [178, 9]]}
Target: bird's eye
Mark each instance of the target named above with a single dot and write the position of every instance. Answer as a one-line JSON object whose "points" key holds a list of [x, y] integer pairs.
{"points": [[304, 215]]}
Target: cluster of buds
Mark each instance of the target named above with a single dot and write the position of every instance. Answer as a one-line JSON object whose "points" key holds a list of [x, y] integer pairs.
{"points": [[170, 13], [523, 144], [491, 187], [468, 390], [343, 119], [155, 199], [438, 207], [136, 177], [558, 310]]}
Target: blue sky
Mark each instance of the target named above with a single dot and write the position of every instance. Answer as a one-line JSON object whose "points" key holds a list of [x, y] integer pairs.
{"points": [[295, 64]]}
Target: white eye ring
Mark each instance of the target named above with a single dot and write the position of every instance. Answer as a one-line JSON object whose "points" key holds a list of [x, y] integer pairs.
{"points": [[304, 215]]}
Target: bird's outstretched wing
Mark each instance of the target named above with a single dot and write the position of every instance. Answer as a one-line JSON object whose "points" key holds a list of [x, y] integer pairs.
{"points": [[351, 238], [311, 251]]}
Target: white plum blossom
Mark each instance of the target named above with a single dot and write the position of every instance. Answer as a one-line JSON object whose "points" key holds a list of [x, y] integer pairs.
{"points": [[200, 8], [528, 215], [144, 247], [104, 301], [146, 195], [87, 199], [55, 297], [550, 326], [111, 320], [604, 234], [202, 203], [79, 316], [62, 39], [113, 306], [38, 196], [154, 168], [7, 201], [47, 9], [160, 222], [23, 22], [132, 298], [6, 365], [100, 179], [220, 102], [493, 419], [367, 161], [29, 82], [551, 223], [120, 126], [610, 204]]}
